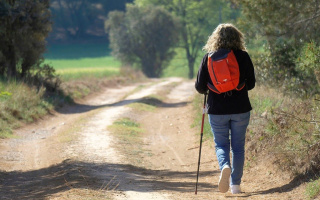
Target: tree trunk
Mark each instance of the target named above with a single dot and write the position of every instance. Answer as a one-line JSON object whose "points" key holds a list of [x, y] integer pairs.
{"points": [[317, 73], [191, 61], [11, 62], [25, 67]]}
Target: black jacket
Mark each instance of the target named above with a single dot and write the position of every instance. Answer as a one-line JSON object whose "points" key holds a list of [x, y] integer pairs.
{"points": [[234, 102]]}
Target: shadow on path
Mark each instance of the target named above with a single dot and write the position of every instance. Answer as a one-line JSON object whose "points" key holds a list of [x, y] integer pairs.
{"points": [[82, 108], [42, 183]]}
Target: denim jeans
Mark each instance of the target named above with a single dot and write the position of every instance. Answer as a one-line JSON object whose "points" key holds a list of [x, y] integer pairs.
{"points": [[230, 129]]}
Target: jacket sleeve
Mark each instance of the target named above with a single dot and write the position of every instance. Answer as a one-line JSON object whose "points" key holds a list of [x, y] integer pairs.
{"points": [[250, 77], [202, 76]]}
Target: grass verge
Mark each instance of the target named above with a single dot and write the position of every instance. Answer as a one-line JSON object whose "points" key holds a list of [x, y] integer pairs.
{"points": [[142, 107], [313, 189], [286, 129], [128, 132], [149, 103], [20, 104], [197, 105]]}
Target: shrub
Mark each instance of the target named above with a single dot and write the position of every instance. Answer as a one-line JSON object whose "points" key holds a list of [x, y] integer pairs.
{"points": [[309, 61], [143, 36], [19, 103], [287, 129], [276, 67]]}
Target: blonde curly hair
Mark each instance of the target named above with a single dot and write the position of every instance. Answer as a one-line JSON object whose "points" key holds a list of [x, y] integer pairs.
{"points": [[225, 36]]}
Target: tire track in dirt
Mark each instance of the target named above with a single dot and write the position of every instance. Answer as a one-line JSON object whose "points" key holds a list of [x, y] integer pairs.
{"points": [[96, 145], [37, 165], [159, 133], [34, 164]]}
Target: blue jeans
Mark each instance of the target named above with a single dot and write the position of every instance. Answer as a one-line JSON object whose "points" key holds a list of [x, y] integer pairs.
{"points": [[230, 129]]}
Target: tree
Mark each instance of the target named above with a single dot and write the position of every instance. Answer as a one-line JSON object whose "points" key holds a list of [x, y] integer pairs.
{"points": [[143, 36], [198, 19], [288, 18], [25, 25], [287, 26]]}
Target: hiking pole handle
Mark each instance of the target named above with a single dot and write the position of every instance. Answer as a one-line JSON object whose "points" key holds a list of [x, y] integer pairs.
{"points": [[202, 124]]}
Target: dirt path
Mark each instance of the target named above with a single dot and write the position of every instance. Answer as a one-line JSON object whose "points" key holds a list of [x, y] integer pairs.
{"points": [[73, 155]]}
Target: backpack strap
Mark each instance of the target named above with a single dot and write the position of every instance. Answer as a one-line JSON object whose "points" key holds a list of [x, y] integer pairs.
{"points": [[214, 89], [240, 86]]}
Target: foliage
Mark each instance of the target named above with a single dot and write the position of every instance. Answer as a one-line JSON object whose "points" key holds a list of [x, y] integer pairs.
{"points": [[143, 36], [309, 61], [129, 132], [25, 25], [198, 19], [286, 129], [289, 18], [276, 67], [285, 26], [45, 77], [20, 103], [313, 189]]}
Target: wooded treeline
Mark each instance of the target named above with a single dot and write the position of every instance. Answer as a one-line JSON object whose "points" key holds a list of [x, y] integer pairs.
{"points": [[290, 29], [81, 20], [24, 28], [26, 24]]}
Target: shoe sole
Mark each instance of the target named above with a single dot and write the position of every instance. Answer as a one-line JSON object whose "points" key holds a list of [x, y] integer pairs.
{"points": [[224, 180]]}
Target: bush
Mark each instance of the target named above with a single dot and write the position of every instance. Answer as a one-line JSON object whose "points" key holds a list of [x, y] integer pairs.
{"points": [[19, 103], [25, 26], [276, 67], [309, 61], [143, 36], [286, 129]]}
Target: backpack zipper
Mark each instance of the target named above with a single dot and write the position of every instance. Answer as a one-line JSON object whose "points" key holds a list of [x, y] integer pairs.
{"points": [[214, 74]]}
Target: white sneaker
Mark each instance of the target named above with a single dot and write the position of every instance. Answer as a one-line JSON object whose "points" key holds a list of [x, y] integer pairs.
{"points": [[235, 189], [224, 179]]}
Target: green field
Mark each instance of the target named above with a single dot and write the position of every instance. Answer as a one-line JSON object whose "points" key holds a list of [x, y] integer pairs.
{"points": [[178, 66], [78, 61]]}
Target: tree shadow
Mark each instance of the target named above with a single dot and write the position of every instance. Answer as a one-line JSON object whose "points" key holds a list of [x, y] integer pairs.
{"points": [[82, 108], [294, 183], [42, 183]]}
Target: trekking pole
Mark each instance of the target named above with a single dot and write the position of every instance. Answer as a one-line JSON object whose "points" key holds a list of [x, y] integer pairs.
{"points": [[203, 114]]}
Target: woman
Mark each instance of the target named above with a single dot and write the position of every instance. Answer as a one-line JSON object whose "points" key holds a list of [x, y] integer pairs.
{"points": [[229, 112]]}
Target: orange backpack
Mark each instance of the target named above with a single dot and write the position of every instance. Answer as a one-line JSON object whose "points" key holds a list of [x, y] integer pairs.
{"points": [[224, 71]]}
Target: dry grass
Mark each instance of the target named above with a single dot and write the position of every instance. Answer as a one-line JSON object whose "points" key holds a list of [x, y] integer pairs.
{"points": [[197, 105], [128, 132], [86, 192], [313, 189], [20, 104], [286, 129], [142, 107]]}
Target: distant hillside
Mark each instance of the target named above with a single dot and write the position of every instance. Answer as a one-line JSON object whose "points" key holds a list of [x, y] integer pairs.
{"points": [[81, 20]]}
